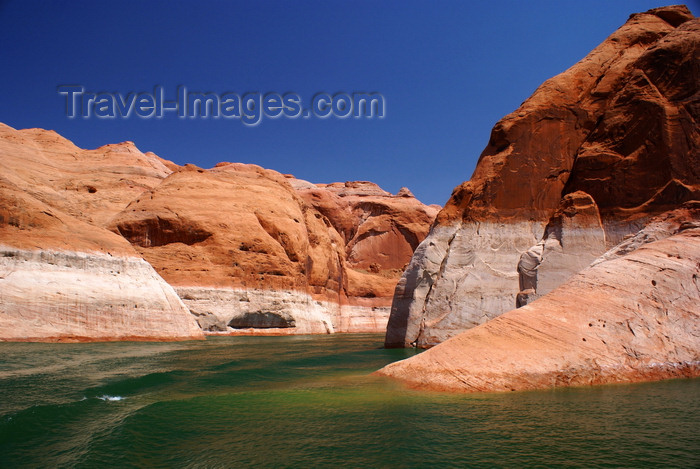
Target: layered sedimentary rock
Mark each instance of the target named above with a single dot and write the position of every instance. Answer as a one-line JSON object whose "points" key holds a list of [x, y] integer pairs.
{"points": [[70, 296], [248, 311], [250, 250], [63, 276], [634, 315], [585, 161], [380, 230]]}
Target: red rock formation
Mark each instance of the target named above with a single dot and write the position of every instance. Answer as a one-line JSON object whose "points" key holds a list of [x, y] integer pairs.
{"points": [[619, 127], [572, 239], [241, 241], [64, 277], [623, 120], [92, 185], [380, 230], [634, 315]]}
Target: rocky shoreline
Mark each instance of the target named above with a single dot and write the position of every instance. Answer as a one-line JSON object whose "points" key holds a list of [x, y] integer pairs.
{"points": [[59, 296]]}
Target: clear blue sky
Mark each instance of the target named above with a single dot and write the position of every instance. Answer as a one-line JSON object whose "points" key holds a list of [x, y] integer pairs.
{"points": [[447, 69]]}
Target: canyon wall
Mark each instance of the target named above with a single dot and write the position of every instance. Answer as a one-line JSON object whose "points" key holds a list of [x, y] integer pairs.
{"points": [[633, 315], [588, 159], [116, 244], [253, 251], [63, 275], [73, 296]]}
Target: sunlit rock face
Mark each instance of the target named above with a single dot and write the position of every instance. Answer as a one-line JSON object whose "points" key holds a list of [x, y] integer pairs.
{"points": [[244, 245], [249, 250], [572, 239], [63, 275], [587, 160], [76, 297], [633, 315]]}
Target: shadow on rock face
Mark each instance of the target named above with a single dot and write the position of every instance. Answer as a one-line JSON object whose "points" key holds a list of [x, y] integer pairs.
{"points": [[262, 320]]}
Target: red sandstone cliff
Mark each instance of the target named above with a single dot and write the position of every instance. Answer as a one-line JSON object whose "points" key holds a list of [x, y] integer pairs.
{"points": [[247, 249], [63, 275], [586, 160]]}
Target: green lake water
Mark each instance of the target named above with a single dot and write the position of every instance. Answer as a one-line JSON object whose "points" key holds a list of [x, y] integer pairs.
{"points": [[308, 401]]}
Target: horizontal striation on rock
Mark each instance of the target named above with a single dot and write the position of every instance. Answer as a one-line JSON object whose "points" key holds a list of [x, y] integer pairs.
{"points": [[73, 296]]}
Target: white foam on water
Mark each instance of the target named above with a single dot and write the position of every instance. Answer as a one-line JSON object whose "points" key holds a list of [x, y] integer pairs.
{"points": [[111, 398]]}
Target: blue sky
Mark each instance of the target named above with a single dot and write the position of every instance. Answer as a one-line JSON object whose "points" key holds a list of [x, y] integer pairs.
{"points": [[448, 71]]}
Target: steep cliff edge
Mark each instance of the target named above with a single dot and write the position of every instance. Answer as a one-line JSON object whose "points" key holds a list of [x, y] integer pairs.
{"points": [[585, 161], [250, 250], [63, 277], [603, 325]]}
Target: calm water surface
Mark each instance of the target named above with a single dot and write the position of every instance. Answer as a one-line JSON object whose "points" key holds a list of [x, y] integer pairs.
{"points": [[307, 401]]}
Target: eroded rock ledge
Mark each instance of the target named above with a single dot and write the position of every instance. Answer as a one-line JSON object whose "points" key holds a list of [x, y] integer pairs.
{"points": [[240, 311]]}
